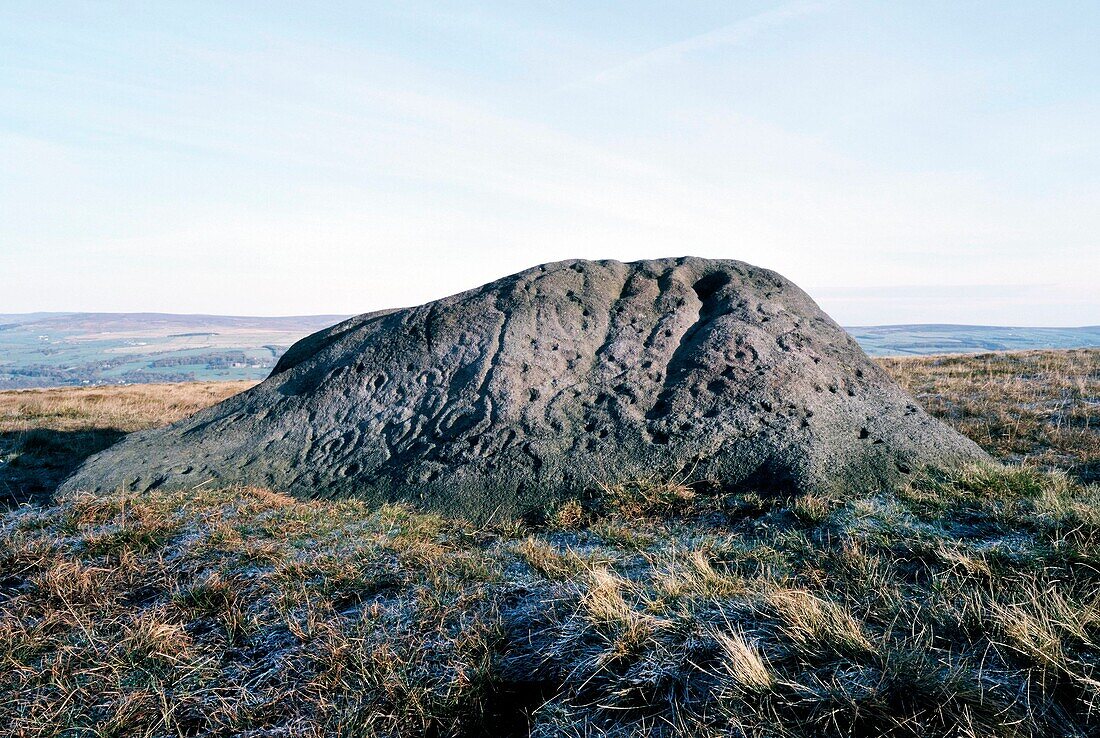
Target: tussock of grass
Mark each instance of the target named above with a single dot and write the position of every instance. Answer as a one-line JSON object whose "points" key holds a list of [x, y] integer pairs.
{"points": [[951, 608], [741, 663], [649, 498]]}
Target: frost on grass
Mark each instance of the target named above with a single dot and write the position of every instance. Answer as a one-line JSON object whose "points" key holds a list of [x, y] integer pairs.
{"points": [[966, 606]]}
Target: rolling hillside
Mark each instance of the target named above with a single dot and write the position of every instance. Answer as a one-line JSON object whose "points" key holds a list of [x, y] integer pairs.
{"points": [[66, 349]]}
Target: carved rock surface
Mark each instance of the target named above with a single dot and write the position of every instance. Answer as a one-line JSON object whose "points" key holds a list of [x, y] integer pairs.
{"points": [[506, 399]]}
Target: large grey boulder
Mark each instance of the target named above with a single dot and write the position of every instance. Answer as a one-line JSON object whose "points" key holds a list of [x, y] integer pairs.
{"points": [[509, 398]]}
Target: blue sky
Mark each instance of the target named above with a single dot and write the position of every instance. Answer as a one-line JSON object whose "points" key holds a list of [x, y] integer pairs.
{"points": [[903, 162]]}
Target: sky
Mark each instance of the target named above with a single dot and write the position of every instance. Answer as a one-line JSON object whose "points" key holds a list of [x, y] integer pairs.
{"points": [[903, 162]]}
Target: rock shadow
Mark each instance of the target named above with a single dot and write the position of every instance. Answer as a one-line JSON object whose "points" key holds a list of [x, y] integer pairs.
{"points": [[33, 463]]}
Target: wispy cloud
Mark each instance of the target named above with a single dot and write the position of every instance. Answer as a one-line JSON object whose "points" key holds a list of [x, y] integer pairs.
{"points": [[732, 34]]}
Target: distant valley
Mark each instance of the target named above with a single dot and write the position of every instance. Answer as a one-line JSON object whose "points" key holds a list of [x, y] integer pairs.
{"points": [[65, 349], [72, 349]]}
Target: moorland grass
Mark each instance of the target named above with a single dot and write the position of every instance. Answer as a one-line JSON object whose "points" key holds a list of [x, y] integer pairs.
{"points": [[965, 604], [1032, 407]]}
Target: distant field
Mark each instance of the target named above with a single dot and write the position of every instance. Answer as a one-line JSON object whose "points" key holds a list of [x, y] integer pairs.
{"points": [[81, 349], [46, 433], [1026, 407], [72, 349]]}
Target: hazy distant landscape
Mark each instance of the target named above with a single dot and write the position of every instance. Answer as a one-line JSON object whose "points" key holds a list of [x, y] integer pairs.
{"points": [[68, 349], [72, 349], [926, 339]]}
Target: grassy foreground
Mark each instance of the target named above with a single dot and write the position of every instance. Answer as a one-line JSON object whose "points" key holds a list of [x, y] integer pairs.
{"points": [[965, 605]]}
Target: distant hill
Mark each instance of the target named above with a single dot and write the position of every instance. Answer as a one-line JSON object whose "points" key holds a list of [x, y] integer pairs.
{"points": [[122, 322], [60, 349], [900, 340]]}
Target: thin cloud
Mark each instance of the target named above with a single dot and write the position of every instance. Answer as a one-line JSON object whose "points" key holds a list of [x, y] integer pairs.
{"points": [[731, 34]]}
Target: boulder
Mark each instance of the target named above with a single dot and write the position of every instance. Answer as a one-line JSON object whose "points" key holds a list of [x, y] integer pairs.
{"points": [[507, 399]]}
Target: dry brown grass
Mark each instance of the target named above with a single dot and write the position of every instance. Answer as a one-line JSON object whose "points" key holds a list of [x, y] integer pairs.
{"points": [[45, 434], [124, 408], [965, 605], [1040, 407], [233, 611], [243, 612]]}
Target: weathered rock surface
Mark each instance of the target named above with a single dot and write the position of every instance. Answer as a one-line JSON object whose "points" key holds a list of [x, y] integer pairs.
{"points": [[508, 398]]}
